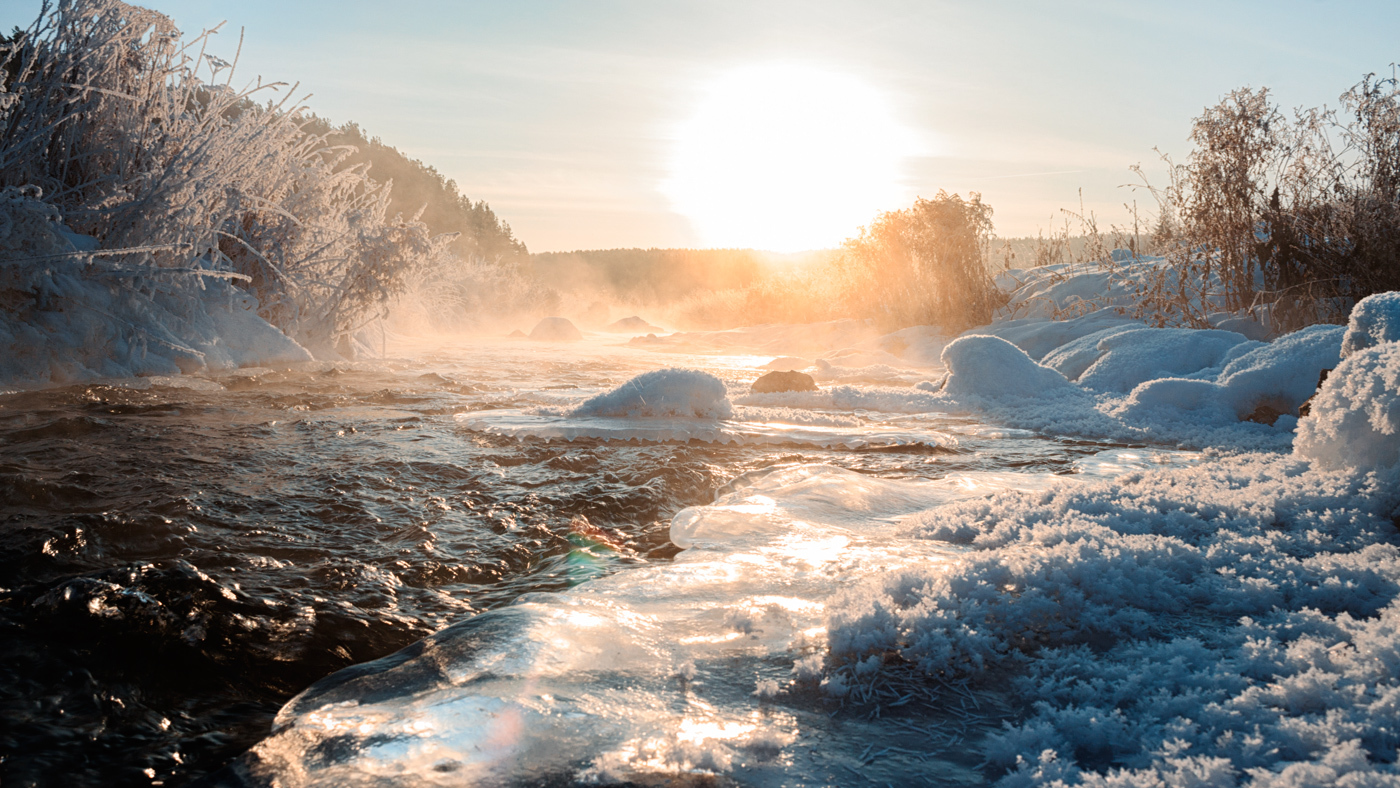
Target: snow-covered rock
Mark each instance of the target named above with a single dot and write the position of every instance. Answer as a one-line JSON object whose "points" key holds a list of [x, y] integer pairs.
{"points": [[986, 366], [1132, 357], [663, 393], [1355, 418]]}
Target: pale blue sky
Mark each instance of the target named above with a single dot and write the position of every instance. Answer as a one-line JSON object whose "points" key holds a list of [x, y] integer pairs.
{"points": [[560, 113]]}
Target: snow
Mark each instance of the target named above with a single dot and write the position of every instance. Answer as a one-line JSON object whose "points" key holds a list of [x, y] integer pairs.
{"points": [[1355, 420], [1132, 357], [1237, 617], [663, 393], [1374, 319], [986, 366], [1039, 336], [70, 317], [1159, 618]]}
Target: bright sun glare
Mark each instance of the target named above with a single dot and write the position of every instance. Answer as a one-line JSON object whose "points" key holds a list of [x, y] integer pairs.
{"points": [[787, 157]]}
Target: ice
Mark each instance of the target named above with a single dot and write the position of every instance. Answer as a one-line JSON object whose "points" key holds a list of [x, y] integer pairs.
{"points": [[1374, 319], [654, 671], [663, 393]]}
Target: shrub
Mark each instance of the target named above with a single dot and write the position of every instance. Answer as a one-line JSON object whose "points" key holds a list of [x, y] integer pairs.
{"points": [[139, 139], [924, 265], [1295, 216]]}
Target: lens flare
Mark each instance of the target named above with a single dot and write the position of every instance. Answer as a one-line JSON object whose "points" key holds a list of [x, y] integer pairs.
{"points": [[787, 157]]}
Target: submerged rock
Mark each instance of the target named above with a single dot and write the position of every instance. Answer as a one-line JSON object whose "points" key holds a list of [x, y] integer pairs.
{"points": [[784, 381], [556, 329], [630, 324]]}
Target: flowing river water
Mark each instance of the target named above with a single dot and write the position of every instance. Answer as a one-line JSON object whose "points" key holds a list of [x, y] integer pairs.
{"points": [[181, 557]]}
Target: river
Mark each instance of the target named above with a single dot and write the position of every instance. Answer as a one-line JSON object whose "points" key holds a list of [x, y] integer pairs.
{"points": [[182, 556]]}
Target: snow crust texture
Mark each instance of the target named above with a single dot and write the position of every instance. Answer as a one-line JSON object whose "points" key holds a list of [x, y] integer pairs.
{"points": [[1355, 419], [1232, 623]]}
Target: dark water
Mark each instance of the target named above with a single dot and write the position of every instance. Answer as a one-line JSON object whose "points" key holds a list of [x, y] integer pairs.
{"points": [[178, 562]]}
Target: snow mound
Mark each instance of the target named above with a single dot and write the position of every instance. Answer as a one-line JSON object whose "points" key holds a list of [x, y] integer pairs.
{"points": [[986, 366], [1355, 419], [1133, 357], [663, 393], [1039, 337], [1074, 357], [1374, 319], [1282, 373], [556, 329]]}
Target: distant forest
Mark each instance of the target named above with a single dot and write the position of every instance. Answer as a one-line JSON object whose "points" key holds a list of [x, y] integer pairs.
{"points": [[419, 186], [657, 276]]}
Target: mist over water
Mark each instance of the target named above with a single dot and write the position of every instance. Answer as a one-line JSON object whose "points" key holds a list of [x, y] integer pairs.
{"points": [[181, 556]]}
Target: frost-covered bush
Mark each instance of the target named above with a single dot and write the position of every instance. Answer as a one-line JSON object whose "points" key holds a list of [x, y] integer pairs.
{"points": [[66, 315], [139, 139], [1298, 214]]}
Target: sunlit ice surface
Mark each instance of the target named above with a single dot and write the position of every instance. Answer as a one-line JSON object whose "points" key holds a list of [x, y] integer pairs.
{"points": [[654, 670], [676, 669], [787, 157]]}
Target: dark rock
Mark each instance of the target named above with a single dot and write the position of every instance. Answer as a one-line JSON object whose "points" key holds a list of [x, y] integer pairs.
{"points": [[556, 329], [784, 381], [1306, 407], [1264, 414]]}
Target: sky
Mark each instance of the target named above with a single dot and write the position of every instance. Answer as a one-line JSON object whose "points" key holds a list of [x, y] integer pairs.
{"points": [[584, 125]]}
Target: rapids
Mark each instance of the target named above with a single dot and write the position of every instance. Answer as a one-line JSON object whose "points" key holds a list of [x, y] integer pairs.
{"points": [[184, 556]]}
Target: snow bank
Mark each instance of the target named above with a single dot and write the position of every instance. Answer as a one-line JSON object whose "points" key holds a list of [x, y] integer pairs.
{"points": [[1234, 621], [1132, 357], [1374, 319], [1039, 336], [663, 393], [66, 317]]}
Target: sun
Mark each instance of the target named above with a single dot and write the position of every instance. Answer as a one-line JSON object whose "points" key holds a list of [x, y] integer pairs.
{"points": [[787, 157]]}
